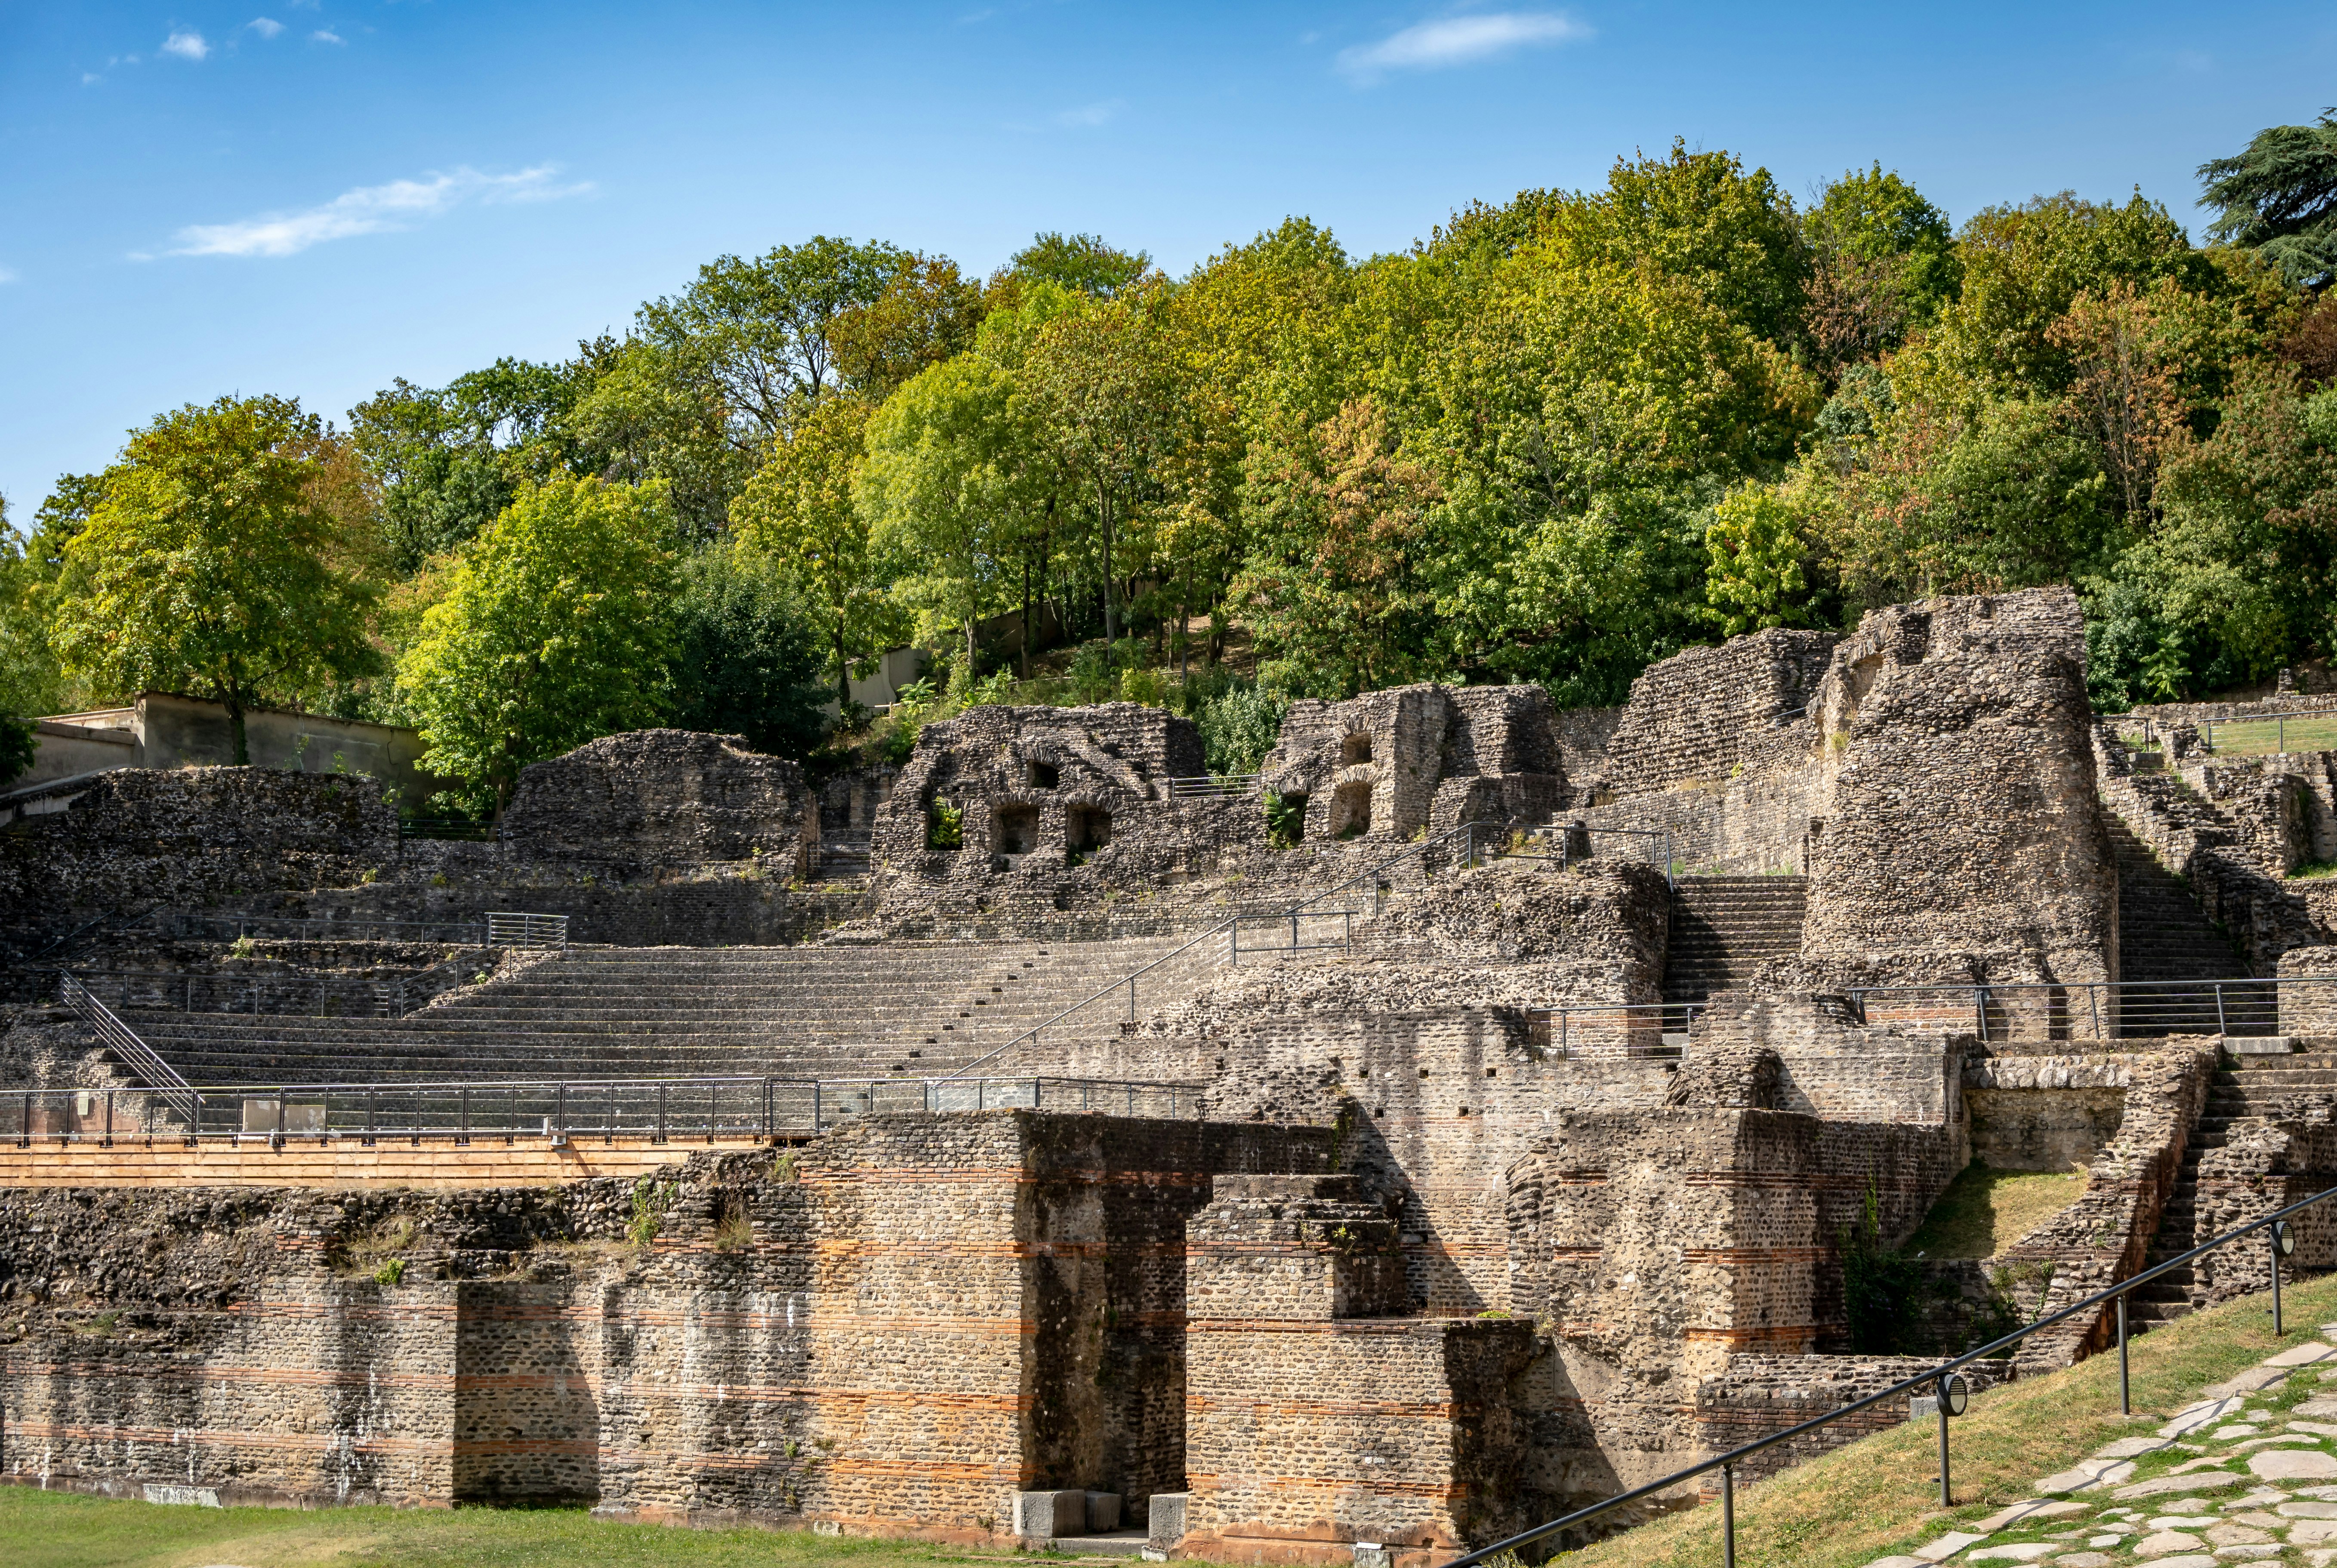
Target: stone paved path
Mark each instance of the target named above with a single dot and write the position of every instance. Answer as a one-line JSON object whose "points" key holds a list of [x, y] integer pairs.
{"points": [[2246, 1475]]}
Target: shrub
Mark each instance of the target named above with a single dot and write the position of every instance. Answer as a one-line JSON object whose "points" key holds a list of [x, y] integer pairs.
{"points": [[1284, 820], [1239, 728], [946, 827]]}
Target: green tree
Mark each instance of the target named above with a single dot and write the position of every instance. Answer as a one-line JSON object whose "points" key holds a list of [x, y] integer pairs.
{"points": [[649, 420], [798, 510], [745, 659], [557, 627], [926, 313], [1082, 263], [756, 335], [1754, 575], [210, 563], [2279, 196], [1701, 218], [1102, 384], [944, 486], [1876, 217], [1335, 584]]}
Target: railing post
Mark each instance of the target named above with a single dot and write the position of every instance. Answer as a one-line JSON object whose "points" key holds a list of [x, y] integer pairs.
{"points": [[465, 1115], [1729, 1516], [1940, 1396], [370, 1123], [2272, 1235], [2125, 1397], [2094, 1000], [2221, 1027], [814, 1106], [660, 1121]]}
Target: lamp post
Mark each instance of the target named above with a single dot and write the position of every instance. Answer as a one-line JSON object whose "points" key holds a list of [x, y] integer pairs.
{"points": [[2283, 1244], [1954, 1397]]}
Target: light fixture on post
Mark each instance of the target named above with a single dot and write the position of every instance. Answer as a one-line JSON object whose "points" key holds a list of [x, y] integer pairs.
{"points": [[2283, 1245], [1952, 1394]]}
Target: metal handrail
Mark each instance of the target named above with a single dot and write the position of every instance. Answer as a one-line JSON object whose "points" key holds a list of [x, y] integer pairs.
{"points": [[1727, 1462], [509, 929], [136, 1053], [1220, 929], [559, 1108], [2243, 992]]}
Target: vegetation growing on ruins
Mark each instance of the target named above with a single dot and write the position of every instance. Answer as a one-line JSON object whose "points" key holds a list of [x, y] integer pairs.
{"points": [[1557, 438]]}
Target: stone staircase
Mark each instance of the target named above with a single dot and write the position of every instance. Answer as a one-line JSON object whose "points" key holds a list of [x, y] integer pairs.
{"points": [[843, 855], [910, 1009], [2164, 943], [1721, 927], [2281, 1087]]}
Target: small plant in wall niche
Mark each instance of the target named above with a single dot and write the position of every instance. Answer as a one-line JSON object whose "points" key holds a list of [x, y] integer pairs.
{"points": [[243, 948], [1496, 1315], [783, 1168], [392, 1272], [437, 879], [1285, 819], [370, 874], [734, 1228], [651, 1201], [946, 827]]}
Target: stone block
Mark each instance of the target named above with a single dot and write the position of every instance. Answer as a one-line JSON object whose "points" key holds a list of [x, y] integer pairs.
{"points": [[2260, 1044], [1165, 1522], [1043, 1515], [1102, 1513]]}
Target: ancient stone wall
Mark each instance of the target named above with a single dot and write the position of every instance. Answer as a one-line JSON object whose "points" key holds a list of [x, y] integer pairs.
{"points": [[1757, 1395], [1662, 1242], [1699, 714], [894, 1328], [661, 799], [135, 838], [1963, 815]]}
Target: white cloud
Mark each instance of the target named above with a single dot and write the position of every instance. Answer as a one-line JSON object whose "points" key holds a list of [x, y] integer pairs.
{"points": [[1458, 41], [369, 209], [89, 76], [266, 26], [326, 35], [1091, 114], [186, 43]]}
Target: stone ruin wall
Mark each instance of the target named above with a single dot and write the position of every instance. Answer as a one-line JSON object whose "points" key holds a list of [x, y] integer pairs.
{"points": [[1963, 815], [136, 838], [895, 1329]]}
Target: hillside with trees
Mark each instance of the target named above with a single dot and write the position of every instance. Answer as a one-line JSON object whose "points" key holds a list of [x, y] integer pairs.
{"points": [[1557, 439]]}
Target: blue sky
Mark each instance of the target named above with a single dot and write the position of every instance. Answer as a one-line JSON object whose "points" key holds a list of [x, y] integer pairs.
{"points": [[312, 197]]}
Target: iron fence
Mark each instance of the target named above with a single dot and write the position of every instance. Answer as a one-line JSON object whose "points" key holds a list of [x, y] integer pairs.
{"points": [[2313, 729], [526, 931], [1612, 1029], [558, 1111], [1943, 1384], [2242, 1007], [133, 1052]]}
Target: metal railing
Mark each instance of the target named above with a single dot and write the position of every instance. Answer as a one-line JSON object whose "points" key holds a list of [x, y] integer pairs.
{"points": [[1232, 785], [303, 996], [2243, 1007], [525, 930], [560, 1110], [133, 1053], [1940, 1379], [1613, 1029], [2316, 726]]}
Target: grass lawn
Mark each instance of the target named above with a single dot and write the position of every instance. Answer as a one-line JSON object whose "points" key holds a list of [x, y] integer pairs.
{"points": [[1881, 1496], [59, 1530], [1983, 1212]]}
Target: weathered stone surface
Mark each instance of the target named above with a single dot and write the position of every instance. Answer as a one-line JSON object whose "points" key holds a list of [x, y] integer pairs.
{"points": [[2293, 1464]]}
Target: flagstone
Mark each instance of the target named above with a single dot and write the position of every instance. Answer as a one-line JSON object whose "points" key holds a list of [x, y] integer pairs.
{"points": [[2293, 1464]]}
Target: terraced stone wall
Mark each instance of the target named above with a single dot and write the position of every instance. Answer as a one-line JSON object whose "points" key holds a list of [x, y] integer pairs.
{"points": [[1699, 715], [137, 837], [649, 800]]}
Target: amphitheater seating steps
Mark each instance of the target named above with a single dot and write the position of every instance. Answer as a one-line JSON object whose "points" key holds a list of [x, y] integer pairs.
{"points": [[1721, 927], [2165, 938], [843, 855], [2260, 1087], [906, 1007]]}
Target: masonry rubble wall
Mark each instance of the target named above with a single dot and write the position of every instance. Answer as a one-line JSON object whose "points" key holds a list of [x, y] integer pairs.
{"points": [[2236, 865], [2265, 1164], [1756, 1394], [634, 804], [1319, 1414], [893, 1329], [1661, 1243], [1963, 815], [135, 838], [1696, 716]]}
